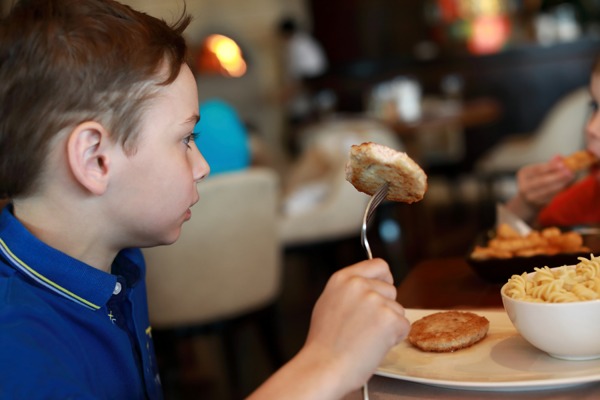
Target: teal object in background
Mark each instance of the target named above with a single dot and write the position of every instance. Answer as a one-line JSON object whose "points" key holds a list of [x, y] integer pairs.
{"points": [[223, 138]]}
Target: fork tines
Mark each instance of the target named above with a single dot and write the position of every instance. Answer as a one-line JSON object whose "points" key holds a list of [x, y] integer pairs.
{"points": [[377, 198]]}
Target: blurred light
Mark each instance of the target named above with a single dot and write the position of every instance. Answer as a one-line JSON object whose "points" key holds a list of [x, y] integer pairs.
{"points": [[489, 34], [221, 55], [483, 26], [469, 9], [390, 230], [448, 10]]}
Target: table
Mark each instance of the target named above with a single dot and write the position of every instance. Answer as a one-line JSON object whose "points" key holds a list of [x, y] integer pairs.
{"points": [[381, 388], [450, 283], [472, 113], [447, 283]]}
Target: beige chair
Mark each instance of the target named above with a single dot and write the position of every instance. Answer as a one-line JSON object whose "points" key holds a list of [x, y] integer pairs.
{"points": [[561, 132], [225, 266], [337, 209]]}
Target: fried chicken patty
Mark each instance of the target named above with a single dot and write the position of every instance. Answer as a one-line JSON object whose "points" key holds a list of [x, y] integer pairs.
{"points": [[448, 331], [580, 160], [371, 165]]}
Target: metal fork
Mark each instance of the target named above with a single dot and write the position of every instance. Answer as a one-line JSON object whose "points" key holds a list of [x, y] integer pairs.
{"points": [[375, 201]]}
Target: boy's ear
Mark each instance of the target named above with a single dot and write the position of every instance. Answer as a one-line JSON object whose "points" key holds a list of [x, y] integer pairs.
{"points": [[88, 154]]}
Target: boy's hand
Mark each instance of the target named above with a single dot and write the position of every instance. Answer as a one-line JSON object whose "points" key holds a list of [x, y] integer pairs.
{"points": [[357, 320]]}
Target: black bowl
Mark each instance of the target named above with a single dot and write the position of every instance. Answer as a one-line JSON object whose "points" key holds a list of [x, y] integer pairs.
{"points": [[499, 270]]}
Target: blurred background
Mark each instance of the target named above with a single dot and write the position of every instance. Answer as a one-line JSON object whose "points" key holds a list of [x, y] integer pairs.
{"points": [[451, 82]]}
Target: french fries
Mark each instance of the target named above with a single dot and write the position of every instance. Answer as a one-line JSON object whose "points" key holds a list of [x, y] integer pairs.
{"points": [[508, 243]]}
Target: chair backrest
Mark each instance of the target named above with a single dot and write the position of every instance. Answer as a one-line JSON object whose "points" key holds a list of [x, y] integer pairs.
{"points": [[560, 132], [227, 260], [339, 214]]}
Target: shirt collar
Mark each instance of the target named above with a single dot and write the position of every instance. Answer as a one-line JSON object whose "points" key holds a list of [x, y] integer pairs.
{"points": [[58, 272]]}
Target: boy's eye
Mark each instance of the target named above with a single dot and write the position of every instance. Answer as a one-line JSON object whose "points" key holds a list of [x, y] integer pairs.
{"points": [[593, 106], [189, 138]]}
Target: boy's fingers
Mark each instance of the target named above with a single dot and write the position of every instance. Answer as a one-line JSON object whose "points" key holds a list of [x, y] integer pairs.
{"points": [[376, 268]]}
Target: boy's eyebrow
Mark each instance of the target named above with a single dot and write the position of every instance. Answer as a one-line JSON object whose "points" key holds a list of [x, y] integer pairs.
{"points": [[194, 119]]}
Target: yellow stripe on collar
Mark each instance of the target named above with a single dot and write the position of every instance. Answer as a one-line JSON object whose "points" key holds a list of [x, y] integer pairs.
{"points": [[42, 278]]}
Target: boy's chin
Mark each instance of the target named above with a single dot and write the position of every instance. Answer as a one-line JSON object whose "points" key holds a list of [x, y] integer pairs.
{"points": [[162, 241]]}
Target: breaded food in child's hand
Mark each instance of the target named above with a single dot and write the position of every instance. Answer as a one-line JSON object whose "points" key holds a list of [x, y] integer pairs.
{"points": [[371, 165], [447, 331], [580, 160]]}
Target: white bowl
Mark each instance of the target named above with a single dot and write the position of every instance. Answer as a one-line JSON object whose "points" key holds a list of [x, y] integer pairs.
{"points": [[569, 331]]}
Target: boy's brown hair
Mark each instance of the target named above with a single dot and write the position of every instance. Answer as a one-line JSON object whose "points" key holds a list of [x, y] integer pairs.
{"points": [[63, 62]]}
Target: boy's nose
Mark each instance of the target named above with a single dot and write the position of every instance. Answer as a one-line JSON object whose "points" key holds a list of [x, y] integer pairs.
{"points": [[593, 126], [200, 168]]}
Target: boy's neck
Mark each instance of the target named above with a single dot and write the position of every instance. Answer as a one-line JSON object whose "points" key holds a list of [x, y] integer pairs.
{"points": [[66, 231]]}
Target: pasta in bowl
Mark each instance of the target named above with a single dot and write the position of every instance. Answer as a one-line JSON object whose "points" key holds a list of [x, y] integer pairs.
{"points": [[557, 310]]}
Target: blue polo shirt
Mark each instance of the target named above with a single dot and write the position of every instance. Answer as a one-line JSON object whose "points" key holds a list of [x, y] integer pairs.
{"points": [[68, 330]]}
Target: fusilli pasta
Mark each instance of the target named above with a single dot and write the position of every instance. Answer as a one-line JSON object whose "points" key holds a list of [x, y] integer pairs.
{"points": [[558, 285]]}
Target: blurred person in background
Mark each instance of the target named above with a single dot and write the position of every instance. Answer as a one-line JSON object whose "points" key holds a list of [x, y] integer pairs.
{"points": [[304, 60], [228, 143], [549, 194], [222, 137]]}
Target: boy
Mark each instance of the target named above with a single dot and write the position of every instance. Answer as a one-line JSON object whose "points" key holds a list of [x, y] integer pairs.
{"points": [[98, 159]]}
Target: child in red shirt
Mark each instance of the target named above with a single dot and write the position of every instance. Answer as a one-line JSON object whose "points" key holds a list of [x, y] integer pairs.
{"points": [[548, 192]]}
